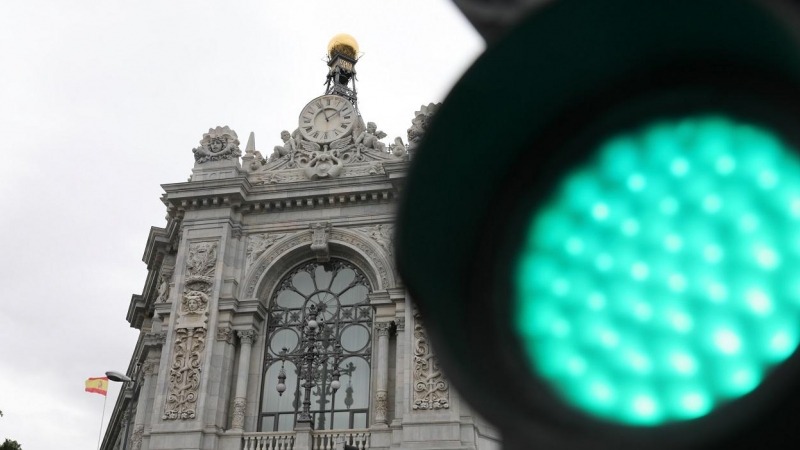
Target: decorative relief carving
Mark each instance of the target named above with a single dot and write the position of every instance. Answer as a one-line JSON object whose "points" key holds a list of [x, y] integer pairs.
{"points": [[219, 143], [419, 124], [202, 261], [319, 241], [431, 390], [165, 279], [136, 437], [383, 234], [257, 244], [247, 336], [382, 328], [374, 168], [190, 332], [304, 237], [150, 366], [238, 413], [381, 406], [400, 323], [225, 334], [284, 247], [383, 271], [184, 374]]}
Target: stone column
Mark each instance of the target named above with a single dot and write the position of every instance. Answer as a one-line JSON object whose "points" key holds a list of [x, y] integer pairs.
{"points": [[246, 338], [400, 382], [382, 374], [149, 368]]}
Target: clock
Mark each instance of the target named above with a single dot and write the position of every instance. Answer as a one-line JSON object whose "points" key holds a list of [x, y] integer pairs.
{"points": [[327, 118]]}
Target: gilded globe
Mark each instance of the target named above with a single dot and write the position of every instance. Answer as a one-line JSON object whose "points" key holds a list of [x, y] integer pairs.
{"points": [[343, 43]]}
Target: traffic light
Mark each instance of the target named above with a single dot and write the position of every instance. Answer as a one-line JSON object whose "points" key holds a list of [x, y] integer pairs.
{"points": [[602, 226]]}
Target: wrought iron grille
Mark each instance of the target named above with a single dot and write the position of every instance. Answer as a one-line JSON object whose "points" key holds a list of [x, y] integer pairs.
{"points": [[338, 290]]}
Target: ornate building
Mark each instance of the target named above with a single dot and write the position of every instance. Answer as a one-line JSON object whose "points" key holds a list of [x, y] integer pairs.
{"points": [[272, 316]]}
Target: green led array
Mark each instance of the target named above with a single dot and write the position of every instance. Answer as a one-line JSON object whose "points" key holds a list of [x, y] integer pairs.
{"points": [[660, 280]]}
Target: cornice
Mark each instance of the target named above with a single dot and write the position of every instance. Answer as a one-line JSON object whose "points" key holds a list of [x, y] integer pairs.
{"points": [[241, 195]]}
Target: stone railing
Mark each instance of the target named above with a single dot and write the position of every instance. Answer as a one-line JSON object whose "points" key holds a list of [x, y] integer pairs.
{"points": [[282, 440], [328, 439], [320, 440]]}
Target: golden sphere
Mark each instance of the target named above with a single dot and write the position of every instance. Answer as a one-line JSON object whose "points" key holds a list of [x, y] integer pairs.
{"points": [[344, 44]]}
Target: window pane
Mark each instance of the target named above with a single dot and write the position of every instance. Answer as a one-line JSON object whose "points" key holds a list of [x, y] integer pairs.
{"points": [[268, 423], [286, 422], [284, 338], [272, 401], [290, 299], [355, 338], [341, 421], [343, 279], [322, 278], [354, 393], [356, 294], [302, 282], [360, 420]]}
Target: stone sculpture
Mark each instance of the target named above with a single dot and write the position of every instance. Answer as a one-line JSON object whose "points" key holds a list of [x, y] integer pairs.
{"points": [[218, 144], [370, 138], [419, 124], [398, 148], [288, 148]]}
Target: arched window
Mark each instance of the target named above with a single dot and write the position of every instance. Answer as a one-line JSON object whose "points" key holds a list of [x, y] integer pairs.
{"points": [[338, 290]]}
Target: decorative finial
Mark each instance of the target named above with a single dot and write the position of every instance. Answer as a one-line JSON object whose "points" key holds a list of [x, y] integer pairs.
{"points": [[345, 44]]}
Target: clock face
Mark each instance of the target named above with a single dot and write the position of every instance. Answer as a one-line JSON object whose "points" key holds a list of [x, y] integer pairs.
{"points": [[327, 118]]}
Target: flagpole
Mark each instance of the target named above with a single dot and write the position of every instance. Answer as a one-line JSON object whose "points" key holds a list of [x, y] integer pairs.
{"points": [[102, 416]]}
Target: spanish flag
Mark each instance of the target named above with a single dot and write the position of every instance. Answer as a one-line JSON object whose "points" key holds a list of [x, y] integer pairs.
{"points": [[97, 385]]}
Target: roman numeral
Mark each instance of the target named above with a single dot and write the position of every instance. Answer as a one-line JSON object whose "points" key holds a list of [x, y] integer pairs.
{"points": [[325, 135], [308, 129], [335, 132], [347, 116], [329, 101], [318, 104], [344, 126], [306, 120], [316, 134]]}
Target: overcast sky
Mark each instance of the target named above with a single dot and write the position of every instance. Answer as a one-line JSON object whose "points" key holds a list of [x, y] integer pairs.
{"points": [[101, 102]]}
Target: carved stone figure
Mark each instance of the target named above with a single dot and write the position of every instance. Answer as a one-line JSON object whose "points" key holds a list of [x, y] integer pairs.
{"points": [[194, 302], [370, 138], [419, 124], [287, 149], [219, 143], [398, 148]]}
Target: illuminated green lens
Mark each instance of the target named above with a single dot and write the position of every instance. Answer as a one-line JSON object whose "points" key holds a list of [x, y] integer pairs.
{"points": [[661, 278]]}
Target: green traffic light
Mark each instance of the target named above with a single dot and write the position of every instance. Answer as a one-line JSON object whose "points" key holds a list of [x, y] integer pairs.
{"points": [[658, 281]]}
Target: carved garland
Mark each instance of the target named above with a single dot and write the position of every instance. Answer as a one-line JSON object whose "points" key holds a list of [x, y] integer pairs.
{"points": [[306, 237], [431, 390], [190, 332]]}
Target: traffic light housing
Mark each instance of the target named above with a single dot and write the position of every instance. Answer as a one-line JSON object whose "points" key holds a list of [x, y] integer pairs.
{"points": [[599, 226]]}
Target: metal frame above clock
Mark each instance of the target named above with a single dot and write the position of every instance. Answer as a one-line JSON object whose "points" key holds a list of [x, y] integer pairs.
{"points": [[327, 118]]}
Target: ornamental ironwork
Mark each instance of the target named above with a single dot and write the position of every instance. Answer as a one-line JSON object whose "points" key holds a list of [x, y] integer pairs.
{"points": [[319, 339]]}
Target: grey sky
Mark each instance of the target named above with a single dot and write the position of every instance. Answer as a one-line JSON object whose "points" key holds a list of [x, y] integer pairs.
{"points": [[101, 102]]}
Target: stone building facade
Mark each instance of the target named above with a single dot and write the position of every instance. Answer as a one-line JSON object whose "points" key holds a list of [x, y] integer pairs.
{"points": [[253, 251]]}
